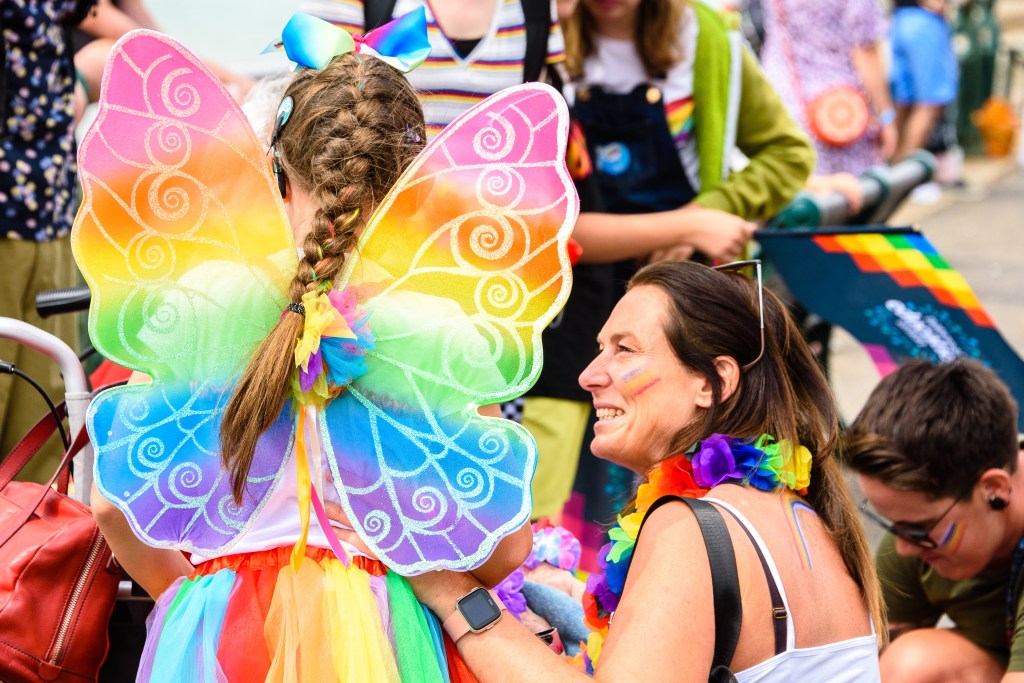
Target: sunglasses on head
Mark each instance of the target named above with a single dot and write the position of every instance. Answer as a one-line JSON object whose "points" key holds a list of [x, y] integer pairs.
{"points": [[915, 534], [736, 266]]}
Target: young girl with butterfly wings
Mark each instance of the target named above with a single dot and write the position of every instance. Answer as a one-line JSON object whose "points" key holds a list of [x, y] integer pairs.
{"points": [[353, 375]]}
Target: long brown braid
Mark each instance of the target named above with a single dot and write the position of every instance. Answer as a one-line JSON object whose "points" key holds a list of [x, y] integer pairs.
{"points": [[355, 126]]}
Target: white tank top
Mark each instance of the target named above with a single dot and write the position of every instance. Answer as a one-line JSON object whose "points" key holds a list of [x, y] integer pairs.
{"points": [[848, 661]]}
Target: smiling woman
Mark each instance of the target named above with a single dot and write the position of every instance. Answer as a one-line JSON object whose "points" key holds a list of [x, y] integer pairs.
{"points": [[688, 400]]}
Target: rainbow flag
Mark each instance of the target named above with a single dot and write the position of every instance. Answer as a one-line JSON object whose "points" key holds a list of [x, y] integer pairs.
{"points": [[679, 115], [894, 292]]}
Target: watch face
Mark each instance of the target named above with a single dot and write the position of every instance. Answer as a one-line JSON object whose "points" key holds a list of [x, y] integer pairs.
{"points": [[479, 609]]}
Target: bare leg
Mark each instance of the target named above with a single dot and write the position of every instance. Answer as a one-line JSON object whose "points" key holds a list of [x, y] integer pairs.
{"points": [[916, 129]]}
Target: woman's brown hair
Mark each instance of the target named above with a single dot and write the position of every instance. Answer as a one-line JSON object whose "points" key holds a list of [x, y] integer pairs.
{"points": [[715, 313], [355, 126], [656, 38]]}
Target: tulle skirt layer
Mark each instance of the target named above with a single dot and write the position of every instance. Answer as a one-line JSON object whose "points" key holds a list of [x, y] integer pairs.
{"points": [[250, 617]]}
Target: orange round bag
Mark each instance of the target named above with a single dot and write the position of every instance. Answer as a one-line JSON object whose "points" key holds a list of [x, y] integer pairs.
{"points": [[839, 116]]}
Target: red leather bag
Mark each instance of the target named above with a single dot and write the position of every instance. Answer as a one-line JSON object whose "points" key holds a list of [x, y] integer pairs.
{"points": [[58, 582]]}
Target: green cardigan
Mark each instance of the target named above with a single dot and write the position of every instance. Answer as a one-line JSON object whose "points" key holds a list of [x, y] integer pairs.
{"points": [[781, 156]]}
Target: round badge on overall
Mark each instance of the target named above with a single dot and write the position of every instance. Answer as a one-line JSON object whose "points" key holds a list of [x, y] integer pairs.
{"points": [[613, 158]]}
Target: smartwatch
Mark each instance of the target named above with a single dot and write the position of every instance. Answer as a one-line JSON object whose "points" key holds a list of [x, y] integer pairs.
{"points": [[476, 611]]}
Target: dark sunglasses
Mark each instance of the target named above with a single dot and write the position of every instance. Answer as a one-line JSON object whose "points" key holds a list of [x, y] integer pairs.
{"points": [[919, 535]]}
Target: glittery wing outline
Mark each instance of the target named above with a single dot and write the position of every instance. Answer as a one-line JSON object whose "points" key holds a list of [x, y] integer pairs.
{"points": [[184, 242], [461, 268]]}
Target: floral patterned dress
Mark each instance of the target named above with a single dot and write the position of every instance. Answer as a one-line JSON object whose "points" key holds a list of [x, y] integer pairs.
{"points": [[37, 160], [822, 34]]}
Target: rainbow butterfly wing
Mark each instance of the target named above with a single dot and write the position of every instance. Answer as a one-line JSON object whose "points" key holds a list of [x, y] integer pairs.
{"points": [[184, 243], [461, 268]]}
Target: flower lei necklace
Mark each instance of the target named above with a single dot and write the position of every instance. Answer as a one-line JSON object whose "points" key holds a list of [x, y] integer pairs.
{"points": [[765, 464]]}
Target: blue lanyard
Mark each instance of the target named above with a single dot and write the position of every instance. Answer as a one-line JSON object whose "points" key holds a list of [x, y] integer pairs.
{"points": [[1011, 590]]}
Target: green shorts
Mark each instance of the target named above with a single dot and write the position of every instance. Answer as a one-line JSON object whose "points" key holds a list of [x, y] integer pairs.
{"points": [[558, 425]]}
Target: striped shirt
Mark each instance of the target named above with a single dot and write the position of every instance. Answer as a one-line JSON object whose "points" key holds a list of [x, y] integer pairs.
{"points": [[447, 83]]}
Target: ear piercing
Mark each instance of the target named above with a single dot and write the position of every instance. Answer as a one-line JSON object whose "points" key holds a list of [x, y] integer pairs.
{"points": [[997, 503]]}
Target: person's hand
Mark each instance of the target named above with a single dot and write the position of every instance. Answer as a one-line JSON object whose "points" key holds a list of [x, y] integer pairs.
{"points": [[888, 138], [845, 184], [718, 235], [679, 252], [347, 535]]}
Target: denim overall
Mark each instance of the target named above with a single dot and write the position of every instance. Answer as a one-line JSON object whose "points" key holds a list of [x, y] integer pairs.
{"points": [[637, 170], [635, 158]]}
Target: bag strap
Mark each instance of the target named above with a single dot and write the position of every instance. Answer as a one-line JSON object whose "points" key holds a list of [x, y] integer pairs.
{"points": [[780, 615], [787, 51], [25, 513], [30, 445], [376, 13], [537, 16], [725, 583]]}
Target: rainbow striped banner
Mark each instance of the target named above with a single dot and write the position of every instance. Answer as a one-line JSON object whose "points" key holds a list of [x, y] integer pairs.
{"points": [[893, 291]]}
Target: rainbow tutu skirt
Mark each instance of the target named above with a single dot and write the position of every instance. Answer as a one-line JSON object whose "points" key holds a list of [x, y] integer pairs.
{"points": [[251, 617]]}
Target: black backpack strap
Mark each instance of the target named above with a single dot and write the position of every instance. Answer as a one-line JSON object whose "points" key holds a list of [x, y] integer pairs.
{"points": [[538, 27], [376, 13], [725, 583], [780, 615]]}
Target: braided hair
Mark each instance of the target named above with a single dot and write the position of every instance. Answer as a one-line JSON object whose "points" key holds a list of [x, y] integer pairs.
{"points": [[356, 125]]}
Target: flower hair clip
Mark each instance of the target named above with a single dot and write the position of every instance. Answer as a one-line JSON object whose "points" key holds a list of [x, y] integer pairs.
{"points": [[330, 353]]}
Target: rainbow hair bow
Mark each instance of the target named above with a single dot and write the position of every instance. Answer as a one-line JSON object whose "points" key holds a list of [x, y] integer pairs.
{"points": [[313, 43]]}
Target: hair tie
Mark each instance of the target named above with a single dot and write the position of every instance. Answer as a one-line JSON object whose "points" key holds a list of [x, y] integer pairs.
{"points": [[297, 308]]}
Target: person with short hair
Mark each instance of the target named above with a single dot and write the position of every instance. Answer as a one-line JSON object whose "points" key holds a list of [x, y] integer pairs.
{"points": [[937, 456]]}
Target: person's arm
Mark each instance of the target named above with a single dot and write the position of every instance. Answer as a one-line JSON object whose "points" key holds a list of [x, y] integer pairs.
{"points": [[107, 21], [152, 568], [781, 156], [136, 9], [510, 554], [867, 61], [666, 608], [506, 653], [916, 129], [607, 238]]}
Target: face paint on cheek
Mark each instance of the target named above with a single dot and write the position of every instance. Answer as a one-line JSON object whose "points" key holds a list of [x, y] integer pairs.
{"points": [[951, 539], [638, 380]]}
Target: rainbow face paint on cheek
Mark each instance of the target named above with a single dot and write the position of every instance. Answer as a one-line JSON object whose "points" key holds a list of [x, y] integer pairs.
{"points": [[638, 380], [952, 538]]}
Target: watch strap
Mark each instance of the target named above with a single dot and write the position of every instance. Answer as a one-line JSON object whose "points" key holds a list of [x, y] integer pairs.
{"points": [[456, 625]]}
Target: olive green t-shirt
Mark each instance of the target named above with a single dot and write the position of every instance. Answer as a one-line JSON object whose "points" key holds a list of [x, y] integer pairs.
{"points": [[915, 593]]}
